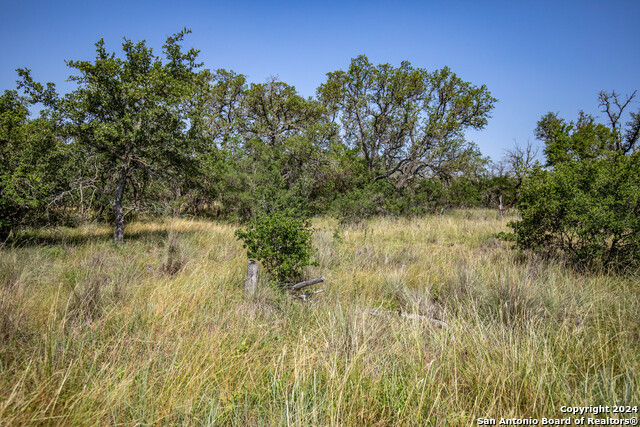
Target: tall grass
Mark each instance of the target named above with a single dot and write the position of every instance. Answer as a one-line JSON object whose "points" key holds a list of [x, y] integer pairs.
{"points": [[157, 331]]}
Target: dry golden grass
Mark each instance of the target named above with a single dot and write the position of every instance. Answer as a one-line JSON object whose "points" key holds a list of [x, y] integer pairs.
{"points": [[93, 333]]}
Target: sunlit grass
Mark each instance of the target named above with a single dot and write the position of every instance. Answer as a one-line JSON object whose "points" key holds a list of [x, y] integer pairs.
{"points": [[94, 333]]}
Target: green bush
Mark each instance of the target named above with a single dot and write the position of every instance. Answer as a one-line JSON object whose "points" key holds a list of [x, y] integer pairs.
{"points": [[588, 210], [281, 241], [360, 203]]}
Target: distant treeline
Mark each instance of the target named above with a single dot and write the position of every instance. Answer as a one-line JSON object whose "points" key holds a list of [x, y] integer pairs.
{"points": [[143, 134], [162, 135]]}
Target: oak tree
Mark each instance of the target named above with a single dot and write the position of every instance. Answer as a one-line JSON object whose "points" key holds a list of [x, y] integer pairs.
{"points": [[128, 111], [406, 121]]}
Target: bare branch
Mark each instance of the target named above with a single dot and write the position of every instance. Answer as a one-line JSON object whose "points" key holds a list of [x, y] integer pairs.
{"points": [[611, 104]]}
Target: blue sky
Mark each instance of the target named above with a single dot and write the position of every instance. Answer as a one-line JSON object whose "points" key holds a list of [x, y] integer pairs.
{"points": [[534, 56]]}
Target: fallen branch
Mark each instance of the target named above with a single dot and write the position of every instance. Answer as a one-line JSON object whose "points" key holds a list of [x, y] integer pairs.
{"points": [[306, 283], [305, 297]]}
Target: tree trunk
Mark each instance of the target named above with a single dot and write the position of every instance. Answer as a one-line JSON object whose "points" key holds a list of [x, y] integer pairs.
{"points": [[118, 232]]}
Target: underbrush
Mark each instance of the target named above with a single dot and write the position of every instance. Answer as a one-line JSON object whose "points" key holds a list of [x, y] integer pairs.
{"points": [[157, 331]]}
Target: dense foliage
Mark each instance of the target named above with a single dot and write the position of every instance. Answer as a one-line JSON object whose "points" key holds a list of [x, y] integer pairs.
{"points": [[586, 203], [31, 166], [145, 135], [589, 210]]}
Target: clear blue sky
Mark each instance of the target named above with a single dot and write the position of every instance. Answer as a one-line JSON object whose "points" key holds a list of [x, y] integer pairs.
{"points": [[534, 56]]}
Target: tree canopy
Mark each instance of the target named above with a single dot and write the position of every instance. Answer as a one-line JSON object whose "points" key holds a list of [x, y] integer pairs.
{"points": [[31, 164], [406, 121], [146, 134], [586, 203], [128, 112]]}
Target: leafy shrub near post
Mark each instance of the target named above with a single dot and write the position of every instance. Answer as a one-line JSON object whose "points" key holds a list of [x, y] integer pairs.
{"points": [[588, 210], [281, 242]]}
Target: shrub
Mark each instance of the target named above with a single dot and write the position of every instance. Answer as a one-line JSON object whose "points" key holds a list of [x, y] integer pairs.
{"points": [[588, 210], [359, 204], [281, 241]]}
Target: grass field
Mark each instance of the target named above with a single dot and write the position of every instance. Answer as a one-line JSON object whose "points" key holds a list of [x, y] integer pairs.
{"points": [[157, 331]]}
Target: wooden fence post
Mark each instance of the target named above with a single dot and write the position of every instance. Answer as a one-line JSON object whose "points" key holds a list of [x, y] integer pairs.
{"points": [[251, 281]]}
